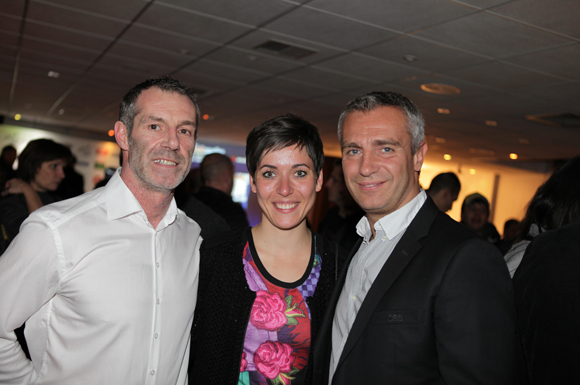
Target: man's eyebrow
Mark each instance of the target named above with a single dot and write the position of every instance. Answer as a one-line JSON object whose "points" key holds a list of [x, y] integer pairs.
{"points": [[351, 144], [153, 118], [386, 142], [161, 120]]}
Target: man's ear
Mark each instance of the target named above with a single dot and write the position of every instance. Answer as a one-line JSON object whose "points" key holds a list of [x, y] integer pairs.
{"points": [[419, 156], [122, 135]]}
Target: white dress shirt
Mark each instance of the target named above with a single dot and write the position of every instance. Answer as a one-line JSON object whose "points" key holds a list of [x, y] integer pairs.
{"points": [[107, 299], [365, 266]]}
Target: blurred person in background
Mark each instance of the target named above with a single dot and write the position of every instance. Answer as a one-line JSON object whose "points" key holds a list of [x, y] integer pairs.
{"points": [[40, 172], [512, 229], [339, 223], [555, 204], [73, 183], [217, 174], [444, 190], [7, 158], [475, 215]]}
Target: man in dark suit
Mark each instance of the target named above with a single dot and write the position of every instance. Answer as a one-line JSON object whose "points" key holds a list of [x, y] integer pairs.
{"points": [[424, 300]]}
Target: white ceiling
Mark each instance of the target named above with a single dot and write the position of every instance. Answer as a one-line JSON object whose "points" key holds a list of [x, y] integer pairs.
{"points": [[509, 58]]}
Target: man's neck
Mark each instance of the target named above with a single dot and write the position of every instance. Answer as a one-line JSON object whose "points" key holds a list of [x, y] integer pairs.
{"points": [[154, 203]]}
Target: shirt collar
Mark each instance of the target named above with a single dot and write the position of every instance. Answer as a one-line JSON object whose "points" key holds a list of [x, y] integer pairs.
{"points": [[395, 222], [121, 202]]}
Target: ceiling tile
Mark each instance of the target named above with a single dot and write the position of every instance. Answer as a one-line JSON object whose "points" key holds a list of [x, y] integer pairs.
{"points": [[294, 88], [502, 76], [253, 60], [142, 54], [485, 34], [397, 15], [66, 37], [328, 29], [258, 37], [9, 24], [125, 9], [564, 97], [170, 41], [368, 67], [188, 23], [68, 18], [324, 78], [68, 52], [545, 14], [430, 55], [226, 71], [253, 12], [562, 61]]}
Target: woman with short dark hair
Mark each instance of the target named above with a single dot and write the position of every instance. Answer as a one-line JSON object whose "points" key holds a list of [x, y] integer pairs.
{"points": [[262, 295], [40, 171]]}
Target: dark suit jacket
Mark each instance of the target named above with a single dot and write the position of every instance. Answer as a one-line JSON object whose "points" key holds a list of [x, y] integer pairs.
{"points": [[440, 311], [547, 287]]}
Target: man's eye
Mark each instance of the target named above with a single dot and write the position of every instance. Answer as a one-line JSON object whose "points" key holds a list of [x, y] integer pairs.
{"points": [[185, 131], [154, 126], [268, 174], [387, 149], [353, 151]]}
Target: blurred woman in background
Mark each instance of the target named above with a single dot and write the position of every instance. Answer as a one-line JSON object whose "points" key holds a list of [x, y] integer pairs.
{"points": [[555, 204], [40, 171]]}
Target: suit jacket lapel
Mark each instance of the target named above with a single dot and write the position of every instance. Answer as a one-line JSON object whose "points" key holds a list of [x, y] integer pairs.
{"points": [[405, 250]]}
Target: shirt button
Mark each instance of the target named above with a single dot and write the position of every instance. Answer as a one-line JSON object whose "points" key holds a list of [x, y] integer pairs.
{"points": [[157, 264], [384, 237], [152, 372], [353, 297], [158, 301], [156, 335]]}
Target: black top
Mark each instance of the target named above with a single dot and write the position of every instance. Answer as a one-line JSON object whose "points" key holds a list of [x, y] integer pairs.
{"points": [[224, 304]]}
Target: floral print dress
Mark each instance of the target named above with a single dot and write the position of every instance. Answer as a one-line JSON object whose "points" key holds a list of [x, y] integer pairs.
{"points": [[277, 339]]}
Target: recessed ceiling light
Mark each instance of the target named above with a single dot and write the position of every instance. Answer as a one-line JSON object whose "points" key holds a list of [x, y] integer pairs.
{"points": [[17, 117], [410, 58], [447, 157], [491, 123], [205, 117], [472, 171], [111, 132], [443, 111], [53, 74], [513, 156], [440, 89], [439, 140]]}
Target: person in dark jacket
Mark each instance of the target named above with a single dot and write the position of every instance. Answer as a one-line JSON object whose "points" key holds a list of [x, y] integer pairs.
{"points": [[262, 295]]}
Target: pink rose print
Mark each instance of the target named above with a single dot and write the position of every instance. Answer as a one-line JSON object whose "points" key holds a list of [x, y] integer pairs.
{"points": [[273, 359], [244, 363], [268, 312]]}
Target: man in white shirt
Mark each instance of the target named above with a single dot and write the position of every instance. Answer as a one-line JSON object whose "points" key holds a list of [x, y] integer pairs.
{"points": [[424, 300], [107, 282]]}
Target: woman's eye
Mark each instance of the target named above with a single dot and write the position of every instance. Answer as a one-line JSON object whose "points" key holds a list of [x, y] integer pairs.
{"points": [[301, 173]]}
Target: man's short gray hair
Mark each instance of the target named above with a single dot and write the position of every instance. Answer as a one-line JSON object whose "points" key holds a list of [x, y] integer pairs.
{"points": [[376, 99]]}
